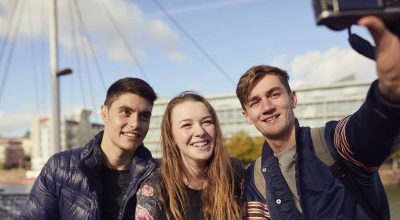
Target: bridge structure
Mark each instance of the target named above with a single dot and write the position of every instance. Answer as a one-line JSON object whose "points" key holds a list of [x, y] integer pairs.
{"points": [[11, 205]]}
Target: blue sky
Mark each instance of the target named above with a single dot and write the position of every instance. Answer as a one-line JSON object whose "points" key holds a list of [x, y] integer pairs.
{"points": [[235, 34]]}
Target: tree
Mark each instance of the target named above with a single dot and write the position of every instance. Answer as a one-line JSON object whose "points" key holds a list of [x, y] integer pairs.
{"points": [[244, 147]]}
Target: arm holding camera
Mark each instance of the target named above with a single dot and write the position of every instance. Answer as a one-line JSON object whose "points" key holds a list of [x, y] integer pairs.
{"points": [[387, 57], [370, 135]]}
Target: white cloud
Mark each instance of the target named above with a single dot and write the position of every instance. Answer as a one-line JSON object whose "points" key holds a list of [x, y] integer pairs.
{"points": [[321, 67], [177, 56], [158, 30], [280, 61], [137, 30], [205, 6]]}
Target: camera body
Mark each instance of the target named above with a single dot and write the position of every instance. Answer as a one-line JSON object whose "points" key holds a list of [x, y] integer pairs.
{"points": [[341, 14]]}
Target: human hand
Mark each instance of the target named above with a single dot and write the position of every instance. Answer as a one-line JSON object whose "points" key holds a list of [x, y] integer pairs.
{"points": [[387, 57]]}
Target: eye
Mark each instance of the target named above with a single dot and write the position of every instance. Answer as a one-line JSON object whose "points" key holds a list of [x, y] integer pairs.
{"points": [[208, 122], [125, 113], [186, 125], [145, 116], [254, 103], [275, 94]]}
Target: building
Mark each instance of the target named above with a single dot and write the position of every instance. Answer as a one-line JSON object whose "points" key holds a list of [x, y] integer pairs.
{"points": [[316, 105], [75, 132], [11, 152]]}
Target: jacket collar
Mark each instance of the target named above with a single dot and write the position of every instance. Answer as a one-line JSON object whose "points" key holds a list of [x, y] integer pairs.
{"points": [[91, 157], [141, 161]]}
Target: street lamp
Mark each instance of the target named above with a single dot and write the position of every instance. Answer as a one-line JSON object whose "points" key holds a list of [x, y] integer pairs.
{"points": [[56, 110], [64, 72]]}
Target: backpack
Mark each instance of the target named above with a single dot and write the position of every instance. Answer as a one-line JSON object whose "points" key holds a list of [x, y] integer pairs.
{"points": [[323, 154]]}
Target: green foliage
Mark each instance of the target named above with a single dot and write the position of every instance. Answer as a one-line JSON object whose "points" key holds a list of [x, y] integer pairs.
{"points": [[244, 147], [397, 154]]}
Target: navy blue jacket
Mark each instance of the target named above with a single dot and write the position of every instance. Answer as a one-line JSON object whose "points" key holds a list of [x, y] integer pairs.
{"points": [[359, 144], [68, 186]]}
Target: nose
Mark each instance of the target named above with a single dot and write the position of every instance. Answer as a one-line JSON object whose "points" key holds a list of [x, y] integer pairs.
{"points": [[267, 106], [133, 121], [198, 130]]}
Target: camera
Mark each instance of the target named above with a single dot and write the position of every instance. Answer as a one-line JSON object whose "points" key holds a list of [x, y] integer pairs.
{"points": [[341, 14]]}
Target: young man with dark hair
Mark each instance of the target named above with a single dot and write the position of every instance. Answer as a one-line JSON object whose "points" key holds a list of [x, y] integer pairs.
{"points": [[100, 179], [297, 184]]}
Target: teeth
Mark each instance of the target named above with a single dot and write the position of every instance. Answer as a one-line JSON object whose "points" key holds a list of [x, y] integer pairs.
{"points": [[130, 134], [199, 144], [271, 119]]}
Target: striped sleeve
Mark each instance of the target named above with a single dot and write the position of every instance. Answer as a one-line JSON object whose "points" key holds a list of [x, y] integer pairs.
{"points": [[343, 147], [256, 210]]}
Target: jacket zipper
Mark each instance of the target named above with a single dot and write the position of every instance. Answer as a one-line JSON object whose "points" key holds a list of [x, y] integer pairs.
{"points": [[133, 191]]}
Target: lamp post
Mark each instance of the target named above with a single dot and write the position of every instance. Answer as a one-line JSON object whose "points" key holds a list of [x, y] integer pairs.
{"points": [[55, 73], [53, 39]]}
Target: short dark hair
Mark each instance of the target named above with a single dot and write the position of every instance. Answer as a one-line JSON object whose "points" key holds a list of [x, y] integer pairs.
{"points": [[130, 85], [251, 77]]}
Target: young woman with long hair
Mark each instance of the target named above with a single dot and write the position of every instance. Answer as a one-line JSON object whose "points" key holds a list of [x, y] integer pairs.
{"points": [[197, 180]]}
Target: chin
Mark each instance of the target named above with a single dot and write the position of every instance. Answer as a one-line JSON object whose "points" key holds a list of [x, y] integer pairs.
{"points": [[272, 135], [130, 147]]}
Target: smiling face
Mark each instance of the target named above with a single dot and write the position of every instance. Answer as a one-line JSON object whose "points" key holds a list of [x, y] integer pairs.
{"points": [[270, 108], [194, 131], [126, 123]]}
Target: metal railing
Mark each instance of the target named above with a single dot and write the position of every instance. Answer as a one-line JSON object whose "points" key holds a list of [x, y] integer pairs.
{"points": [[11, 205]]}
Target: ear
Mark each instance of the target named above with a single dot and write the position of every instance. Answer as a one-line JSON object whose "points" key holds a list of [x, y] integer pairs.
{"points": [[293, 99], [104, 113], [246, 117]]}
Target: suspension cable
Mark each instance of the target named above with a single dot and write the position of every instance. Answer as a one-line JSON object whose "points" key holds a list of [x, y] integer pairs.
{"points": [[180, 27], [13, 40], [83, 31], [72, 20], [90, 45], [9, 30], [127, 45], [34, 67]]}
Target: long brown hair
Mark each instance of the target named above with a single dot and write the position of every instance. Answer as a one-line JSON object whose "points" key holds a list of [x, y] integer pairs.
{"points": [[217, 200]]}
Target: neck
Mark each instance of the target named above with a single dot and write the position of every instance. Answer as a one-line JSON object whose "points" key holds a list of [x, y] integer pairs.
{"points": [[195, 178], [116, 158], [282, 143]]}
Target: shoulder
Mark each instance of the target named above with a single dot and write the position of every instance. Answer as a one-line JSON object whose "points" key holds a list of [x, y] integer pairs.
{"points": [[238, 169], [235, 163], [149, 187], [62, 160], [148, 197]]}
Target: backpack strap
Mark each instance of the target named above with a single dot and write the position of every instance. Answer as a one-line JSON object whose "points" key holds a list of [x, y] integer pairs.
{"points": [[323, 154], [259, 180], [320, 146]]}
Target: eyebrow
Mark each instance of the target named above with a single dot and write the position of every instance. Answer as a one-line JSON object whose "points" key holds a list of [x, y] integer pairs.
{"points": [[190, 120], [273, 89], [131, 109], [147, 112], [125, 107]]}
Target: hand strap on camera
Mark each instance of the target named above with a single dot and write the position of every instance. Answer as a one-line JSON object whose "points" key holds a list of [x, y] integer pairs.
{"points": [[361, 45]]}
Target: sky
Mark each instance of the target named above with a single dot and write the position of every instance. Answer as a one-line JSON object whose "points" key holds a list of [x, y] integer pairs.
{"points": [[174, 45]]}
